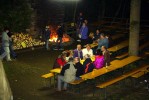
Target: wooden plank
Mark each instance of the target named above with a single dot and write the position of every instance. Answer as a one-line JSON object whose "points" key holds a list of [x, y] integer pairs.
{"points": [[49, 75], [137, 75], [119, 46], [110, 82], [114, 65], [56, 70], [119, 78]]}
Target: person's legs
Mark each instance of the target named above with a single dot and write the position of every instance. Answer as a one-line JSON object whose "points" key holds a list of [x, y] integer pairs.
{"points": [[61, 44], [47, 44], [6, 49], [57, 41], [65, 86], [60, 80], [12, 51]]}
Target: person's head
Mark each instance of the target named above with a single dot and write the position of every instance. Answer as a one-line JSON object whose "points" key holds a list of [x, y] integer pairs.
{"points": [[70, 53], [86, 21], [97, 31], [102, 35], [79, 47], [76, 60], [99, 52], [91, 35], [70, 59], [103, 48], [6, 29], [60, 25], [63, 55], [88, 47], [84, 24], [80, 13]]}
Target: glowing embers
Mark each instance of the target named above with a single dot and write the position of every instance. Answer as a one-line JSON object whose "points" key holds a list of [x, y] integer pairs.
{"points": [[54, 36]]}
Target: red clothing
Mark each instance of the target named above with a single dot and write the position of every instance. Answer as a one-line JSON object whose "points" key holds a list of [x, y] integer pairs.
{"points": [[61, 61]]}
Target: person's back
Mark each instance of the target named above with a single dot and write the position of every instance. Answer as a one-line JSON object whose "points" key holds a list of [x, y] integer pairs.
{"points": [[70, 73], [5, 39], [60, 32], [103, 42], [88, 65], [84, 32], [80, 69], [99, 62], [47, 34]]}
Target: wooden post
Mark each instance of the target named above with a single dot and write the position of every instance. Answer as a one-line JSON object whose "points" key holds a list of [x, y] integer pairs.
{"points": [[134, 27]]}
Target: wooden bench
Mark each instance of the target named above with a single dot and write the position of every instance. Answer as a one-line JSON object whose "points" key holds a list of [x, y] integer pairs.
{"points": [[47, 76], [114, 37], [76, 82], [119, 78], [126, 54], [119, 46], [122, 56], [139, 74]]}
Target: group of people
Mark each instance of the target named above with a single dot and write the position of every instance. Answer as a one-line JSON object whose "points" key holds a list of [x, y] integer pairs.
{"points": [[72, 68], [98, 37], [59, 31], [7, 46]]}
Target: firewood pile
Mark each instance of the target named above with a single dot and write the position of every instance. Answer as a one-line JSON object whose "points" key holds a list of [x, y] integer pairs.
{"points": [[22, 41]]}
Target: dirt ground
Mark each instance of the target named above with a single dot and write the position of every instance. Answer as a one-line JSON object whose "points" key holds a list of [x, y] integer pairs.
{"points": [[24, 76]]}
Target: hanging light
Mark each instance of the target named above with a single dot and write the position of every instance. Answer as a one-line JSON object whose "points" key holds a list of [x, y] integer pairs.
{"points": [[66, 0]]}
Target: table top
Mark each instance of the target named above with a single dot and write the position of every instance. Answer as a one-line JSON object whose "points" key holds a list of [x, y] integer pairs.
{"points": [[92, 58], [114, 65], [119, 46], [56, 70]]}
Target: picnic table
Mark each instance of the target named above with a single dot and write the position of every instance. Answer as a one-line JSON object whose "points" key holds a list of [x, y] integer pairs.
{"points": [[56, 70], [119, 46], [92, 58], [116, 64]]}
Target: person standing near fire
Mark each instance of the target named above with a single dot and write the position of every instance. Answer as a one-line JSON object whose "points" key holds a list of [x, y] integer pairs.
{"points": [[60, 32], [47, 33]]}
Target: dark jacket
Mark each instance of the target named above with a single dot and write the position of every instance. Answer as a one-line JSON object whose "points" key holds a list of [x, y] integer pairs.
{"points": [[88, 65], [47, 34], [60, 32], [65, 67], [76, 54], [107, 57], [80, 69], [90, 40], [96, 36], [80, 20]]}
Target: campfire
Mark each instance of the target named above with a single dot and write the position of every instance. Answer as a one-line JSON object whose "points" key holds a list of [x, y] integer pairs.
{"points": [[54, 36]]}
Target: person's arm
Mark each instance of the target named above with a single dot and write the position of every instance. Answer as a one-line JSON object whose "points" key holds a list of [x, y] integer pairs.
{"points": [[91, 53], [59, 61], [65, 67]]}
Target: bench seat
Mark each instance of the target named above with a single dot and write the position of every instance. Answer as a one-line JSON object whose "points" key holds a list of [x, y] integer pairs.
{"points": [[49, 75], [76, 82]]}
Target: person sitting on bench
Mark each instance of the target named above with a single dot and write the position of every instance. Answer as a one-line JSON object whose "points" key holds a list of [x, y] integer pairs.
{"points": [[67, 74], [103, 41], [87, 64], [60, 61], [79, 67], [99, 60]]}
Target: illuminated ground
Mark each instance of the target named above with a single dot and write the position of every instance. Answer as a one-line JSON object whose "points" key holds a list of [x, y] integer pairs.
{"points": [[26, 83]]}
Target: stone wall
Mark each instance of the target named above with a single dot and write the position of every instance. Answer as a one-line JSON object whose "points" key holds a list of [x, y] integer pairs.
{"points": [[5, 90]]}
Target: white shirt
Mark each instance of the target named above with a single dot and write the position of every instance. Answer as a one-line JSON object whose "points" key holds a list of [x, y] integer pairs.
{"points": [[85, 52]]}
